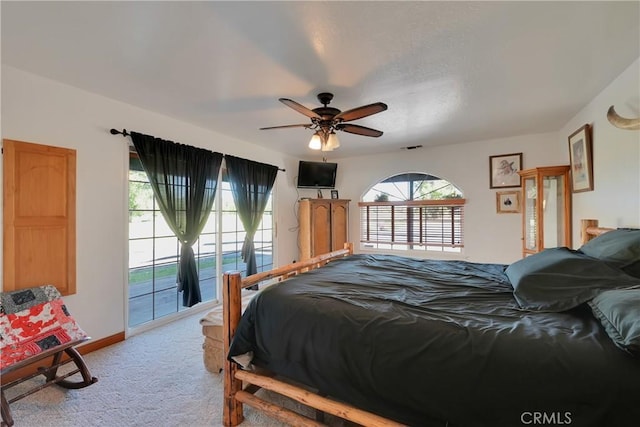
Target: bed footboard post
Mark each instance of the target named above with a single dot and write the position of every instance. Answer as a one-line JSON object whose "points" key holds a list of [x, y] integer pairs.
{"points": [[232, 310], [349, 246], [584, 225]]}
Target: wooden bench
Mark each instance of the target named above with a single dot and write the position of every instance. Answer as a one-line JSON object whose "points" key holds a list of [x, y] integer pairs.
{"points": [[36, 328], [213, 353], [213, 356]]}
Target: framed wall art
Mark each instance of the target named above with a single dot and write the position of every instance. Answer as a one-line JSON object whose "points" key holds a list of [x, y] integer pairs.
{"points": [[508, 202], [581, 158], [503, 170]]}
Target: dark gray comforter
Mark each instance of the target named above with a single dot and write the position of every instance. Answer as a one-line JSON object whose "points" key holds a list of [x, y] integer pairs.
{"points": [[427, 342]]}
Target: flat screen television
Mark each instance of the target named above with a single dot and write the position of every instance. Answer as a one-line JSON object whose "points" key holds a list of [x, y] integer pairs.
{"points": [[317, 174]]}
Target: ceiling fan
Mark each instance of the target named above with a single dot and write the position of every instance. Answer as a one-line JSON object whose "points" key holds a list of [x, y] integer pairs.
{"points": [[326, 120]]}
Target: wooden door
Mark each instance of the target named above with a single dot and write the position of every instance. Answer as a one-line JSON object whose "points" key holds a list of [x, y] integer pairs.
{"points": [[39, 216], [321, 227], [339, 221]]}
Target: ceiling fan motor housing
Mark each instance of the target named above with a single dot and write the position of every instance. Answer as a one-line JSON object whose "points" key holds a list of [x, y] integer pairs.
{"points": [[327, 113], [325, 98]]}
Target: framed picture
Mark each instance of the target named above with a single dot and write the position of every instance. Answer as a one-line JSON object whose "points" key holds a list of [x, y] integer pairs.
{"points": [[581, 157], [508, 201], [503, 170], [334, 194]]}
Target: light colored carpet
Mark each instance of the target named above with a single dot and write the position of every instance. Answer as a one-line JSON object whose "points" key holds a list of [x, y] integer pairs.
{"points": [[156, 378]]}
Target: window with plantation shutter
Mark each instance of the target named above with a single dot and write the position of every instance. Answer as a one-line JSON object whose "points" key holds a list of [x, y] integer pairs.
{"points": [[412, 211]]}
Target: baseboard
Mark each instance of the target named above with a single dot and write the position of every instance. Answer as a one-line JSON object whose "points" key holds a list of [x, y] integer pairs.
{"points": [[87, 348], [93, 345]]}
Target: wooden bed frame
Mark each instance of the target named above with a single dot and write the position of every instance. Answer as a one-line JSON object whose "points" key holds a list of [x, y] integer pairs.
{"points": [[240, 386], [589, 229]]}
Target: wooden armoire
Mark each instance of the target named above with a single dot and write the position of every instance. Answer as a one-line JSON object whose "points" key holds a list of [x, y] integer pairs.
{"points": [[323, 226]]}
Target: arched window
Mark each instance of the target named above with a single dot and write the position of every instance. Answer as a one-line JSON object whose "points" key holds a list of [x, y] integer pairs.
{"points": [[412, 211]]}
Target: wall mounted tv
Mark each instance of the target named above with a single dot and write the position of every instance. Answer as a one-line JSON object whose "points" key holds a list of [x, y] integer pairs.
{"points": [[317, 174]]}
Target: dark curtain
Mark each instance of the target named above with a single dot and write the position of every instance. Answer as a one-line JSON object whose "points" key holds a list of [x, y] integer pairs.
{"points": [[251, 184], [184, 181]]}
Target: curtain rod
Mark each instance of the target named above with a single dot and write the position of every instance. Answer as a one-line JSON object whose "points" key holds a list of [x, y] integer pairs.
{"points": [[124, 133]]}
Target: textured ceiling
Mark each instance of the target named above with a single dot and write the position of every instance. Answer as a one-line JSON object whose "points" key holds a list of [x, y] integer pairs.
{"points": [[450, 72]]}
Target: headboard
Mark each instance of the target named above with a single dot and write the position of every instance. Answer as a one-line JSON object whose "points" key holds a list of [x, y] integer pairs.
{"points": [[589, 229]]}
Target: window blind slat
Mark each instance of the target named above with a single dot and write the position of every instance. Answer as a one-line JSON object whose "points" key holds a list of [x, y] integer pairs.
{"points": [[412, 224]]}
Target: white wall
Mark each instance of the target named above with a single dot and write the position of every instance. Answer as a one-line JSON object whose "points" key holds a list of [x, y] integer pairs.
{"points": [[489, 236], [615, 200], [492, 237], [42, 111]]}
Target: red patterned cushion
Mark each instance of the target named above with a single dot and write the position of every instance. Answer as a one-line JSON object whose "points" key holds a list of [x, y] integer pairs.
{"points": [[34, 330]]}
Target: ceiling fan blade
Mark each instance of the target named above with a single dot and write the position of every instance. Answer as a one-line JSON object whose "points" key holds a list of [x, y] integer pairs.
{"points": [[359, 130], [360, 112], [299, 108], [307, 125]]}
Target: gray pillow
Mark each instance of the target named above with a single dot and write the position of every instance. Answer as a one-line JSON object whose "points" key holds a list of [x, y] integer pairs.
{"points": [[559, 279], [619, 313], [620, 247], [15, 301]]}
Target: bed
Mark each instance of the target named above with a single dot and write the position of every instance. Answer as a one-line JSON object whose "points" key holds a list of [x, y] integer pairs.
{"points": [[387, 340]]}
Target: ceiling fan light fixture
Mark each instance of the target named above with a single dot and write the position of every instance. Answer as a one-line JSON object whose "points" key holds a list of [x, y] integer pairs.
{"points": [[332, 141], [326, 120], [316, 142]]}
